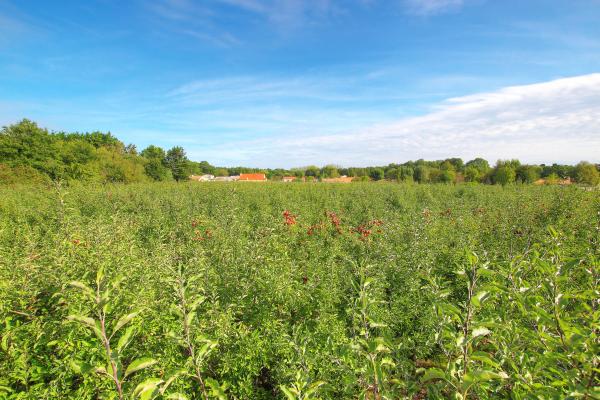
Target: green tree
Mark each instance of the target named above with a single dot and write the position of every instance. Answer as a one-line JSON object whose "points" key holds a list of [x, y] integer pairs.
{"points": [[587, 173], [528, 173], [376, 174], [156, 170], [312, 171], [422, 174], [504, 175], [177, 162], [330, 171], [153, 152]]}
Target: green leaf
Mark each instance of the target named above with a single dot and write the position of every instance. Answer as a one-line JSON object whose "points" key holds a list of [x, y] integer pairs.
{"points": [[479, 298], [190, 318], [177, 396], [287, 393], [123, 321], [484, 358], [125, 338], [83, 287], [139, 364], [79, 367], [99, 275], [313, 388], [147, 389], [217, 390], [433, 373], [89, 322]]}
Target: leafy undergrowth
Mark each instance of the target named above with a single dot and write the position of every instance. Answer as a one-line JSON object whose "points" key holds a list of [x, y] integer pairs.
{"points": [[299, 291]]}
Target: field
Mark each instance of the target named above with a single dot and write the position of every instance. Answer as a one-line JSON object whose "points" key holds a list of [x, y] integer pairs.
{"points": [[299, 291]]}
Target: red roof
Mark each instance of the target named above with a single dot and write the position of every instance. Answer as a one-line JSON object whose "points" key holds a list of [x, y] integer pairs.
{"points": [[253, 177]]}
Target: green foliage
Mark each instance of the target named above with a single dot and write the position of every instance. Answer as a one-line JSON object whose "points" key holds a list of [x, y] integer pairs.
{"points": [[178, 163], [587, 173], [376, 174]]}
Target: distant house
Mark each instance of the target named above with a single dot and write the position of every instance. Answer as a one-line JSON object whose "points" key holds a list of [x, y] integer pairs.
{"points": [[226, 178], [341, 179], [253, 177], [202, 178], [288, 179]]}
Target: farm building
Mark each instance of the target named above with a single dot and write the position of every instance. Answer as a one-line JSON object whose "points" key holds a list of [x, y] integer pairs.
{"points": [[253, 177], [226, 178], [288, 179], [202, 178]]}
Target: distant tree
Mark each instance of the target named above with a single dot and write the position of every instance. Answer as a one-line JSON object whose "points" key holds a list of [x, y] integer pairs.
{"points": [[406, 173], [330, 171], [587, 173], [177, 162], [446, 176], [156, 170], [421, 174], [480, 164], [528, 173], [153, 152], [472, 174], [457, 163], [221, 172], [376, 174], [504, 175], [312, 171], [131, 149], [392, 174], [447, 166], [562, 171]]}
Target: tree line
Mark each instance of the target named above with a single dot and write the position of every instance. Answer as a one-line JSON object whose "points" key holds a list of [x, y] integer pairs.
{"points": [[31, 154]]}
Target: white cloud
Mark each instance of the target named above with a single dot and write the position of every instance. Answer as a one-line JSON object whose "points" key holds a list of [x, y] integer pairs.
{"points": [[546, 122], [432, 7]]}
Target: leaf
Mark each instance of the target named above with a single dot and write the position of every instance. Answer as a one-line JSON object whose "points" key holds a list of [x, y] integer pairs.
{"points": [[313, 388], [196, 303], [83, 287], [190, 318], [79, 367], [83, 320], [433, 373], [125, 338], [480, 331], [484, 358], [478, 298], [139, 364], [99, 275], [171, 379], [123, 321], [217, 390], [287, 393], [147, 389], [177, 396]]}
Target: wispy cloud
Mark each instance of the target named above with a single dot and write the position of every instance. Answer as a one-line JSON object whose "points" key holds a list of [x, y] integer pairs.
{"points": [[552, 121], [289, 14], [203, 20], [432, 7]]}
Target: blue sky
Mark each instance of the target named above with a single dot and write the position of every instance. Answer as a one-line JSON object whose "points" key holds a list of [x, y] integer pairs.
{"points": [[283, 83]]}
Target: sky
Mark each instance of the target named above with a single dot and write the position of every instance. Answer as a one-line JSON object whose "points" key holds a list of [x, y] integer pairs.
{"points": [[289, 83]]}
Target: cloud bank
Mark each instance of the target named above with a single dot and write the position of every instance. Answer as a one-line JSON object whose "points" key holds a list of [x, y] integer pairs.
{"points": [[557, 120]]}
